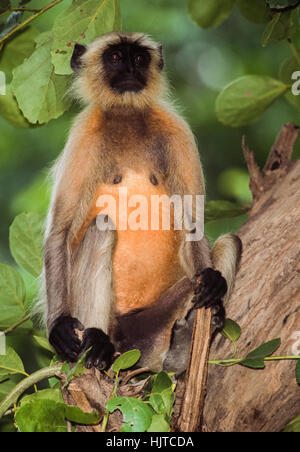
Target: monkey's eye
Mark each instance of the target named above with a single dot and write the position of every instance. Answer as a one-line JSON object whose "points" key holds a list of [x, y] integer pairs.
{"points": [[139, 60], [116, 57]]}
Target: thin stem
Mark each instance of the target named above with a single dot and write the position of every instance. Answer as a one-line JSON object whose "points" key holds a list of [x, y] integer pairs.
{"points": [[113, 395], [274, 358], [20, 322], [222, 362], [29, 19], [25, 384], [294, 51], [25, 10]]}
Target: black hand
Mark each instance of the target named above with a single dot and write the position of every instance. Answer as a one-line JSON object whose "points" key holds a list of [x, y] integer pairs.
{"points": [[102, 351], [209, 289], [64, 338]]}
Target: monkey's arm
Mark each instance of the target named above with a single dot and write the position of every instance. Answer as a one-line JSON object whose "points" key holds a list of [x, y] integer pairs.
{"points": [[74, 189]]}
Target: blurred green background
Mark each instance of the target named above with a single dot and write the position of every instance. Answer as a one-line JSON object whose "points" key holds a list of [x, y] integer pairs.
{"points": [[199, 64]]}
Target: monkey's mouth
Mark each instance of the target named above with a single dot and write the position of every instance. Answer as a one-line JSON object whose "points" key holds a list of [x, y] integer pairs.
{"points": [[130, 84]]}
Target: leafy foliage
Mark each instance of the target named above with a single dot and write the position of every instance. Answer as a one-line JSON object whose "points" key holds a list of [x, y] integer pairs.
{"points": [[247, 98], [81, 23], [126, 360], [12, 296], [25, 239], [244, 100], [38, 65]]}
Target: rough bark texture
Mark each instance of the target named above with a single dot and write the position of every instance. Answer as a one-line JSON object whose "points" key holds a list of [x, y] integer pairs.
{"points": [[195, 381], [265, 303]]}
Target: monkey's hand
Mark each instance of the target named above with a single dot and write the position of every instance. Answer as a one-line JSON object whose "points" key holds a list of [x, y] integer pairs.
{"points": [[64, 339], [102, 349], [209, 289]]}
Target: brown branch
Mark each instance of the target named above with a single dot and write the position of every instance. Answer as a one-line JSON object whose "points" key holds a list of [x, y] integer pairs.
{"points": [[265, 303], [195, 381], [256, 178], [277, 165]]}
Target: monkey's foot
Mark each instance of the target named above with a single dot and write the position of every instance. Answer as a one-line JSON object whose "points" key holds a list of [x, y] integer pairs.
{"points": [[209, 289], [64, 339], [102, 350]]}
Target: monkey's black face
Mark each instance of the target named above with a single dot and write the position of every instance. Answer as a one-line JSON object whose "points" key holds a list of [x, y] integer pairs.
{"points": [[126, 66]]}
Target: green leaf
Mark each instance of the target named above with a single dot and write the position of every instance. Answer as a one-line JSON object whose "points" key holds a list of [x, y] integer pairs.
{"points": [[39, 91], [247, 98], [26, 242], [12, 296], [215, 210], [212, 13], [45, 394], [281, 4], [41, 416], [298, 372], [157, 403], [126, 360], [264, 350], [44, 343], [16, 50], [253, 363], [159, 424], [6, 387], [11, 363], [255, 359], [10, 111], [278, 29], [76, 415], [254, 10], [161, 382], [81, 23], [137, 414], [77, 370], [213, 229], [231, 330], [293, 426], [168, 397]]}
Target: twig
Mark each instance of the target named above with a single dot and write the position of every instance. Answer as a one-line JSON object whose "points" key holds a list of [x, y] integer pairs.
{"points": [[195, 380], [25, 384], [20, 322], [24, 10], [134, 373], [28, 20]]}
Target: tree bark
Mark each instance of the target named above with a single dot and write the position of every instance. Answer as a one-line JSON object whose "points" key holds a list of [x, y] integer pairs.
{"points": [[265, 303]]}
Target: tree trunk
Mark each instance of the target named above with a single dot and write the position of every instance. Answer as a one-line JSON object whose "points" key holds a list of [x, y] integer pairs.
{"points": [[265, 303]]}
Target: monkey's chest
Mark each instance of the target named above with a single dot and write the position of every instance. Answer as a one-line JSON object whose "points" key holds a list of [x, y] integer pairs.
{"points": [[146, 256]]}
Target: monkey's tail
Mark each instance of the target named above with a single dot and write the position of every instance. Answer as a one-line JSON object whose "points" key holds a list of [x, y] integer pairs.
{"points": [[226, 256]]}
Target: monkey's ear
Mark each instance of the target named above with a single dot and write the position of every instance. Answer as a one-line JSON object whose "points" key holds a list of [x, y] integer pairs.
{"points": [[161, 61], [78, 51]]}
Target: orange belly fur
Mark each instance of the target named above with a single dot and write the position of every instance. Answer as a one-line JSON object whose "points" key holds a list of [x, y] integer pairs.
{"points": [[145, 262]]}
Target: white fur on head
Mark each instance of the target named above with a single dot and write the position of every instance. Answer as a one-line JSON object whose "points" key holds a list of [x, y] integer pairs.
{"points": [[90, 85]]}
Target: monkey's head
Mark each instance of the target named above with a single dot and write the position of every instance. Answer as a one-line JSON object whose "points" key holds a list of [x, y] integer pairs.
{"points": [[119, 69]]}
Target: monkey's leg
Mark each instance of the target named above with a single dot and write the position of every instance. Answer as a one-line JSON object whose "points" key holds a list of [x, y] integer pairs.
{"points": [[90, 300], [149, 330]]}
